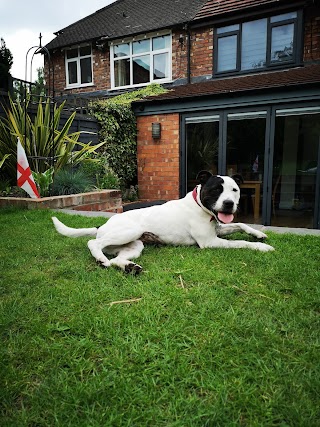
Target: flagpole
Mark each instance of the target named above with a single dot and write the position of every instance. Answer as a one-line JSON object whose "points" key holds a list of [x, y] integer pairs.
{"points": [[44, 50], [50, 87]]}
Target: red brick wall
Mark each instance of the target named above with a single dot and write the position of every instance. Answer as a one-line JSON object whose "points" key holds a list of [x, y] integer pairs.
{"points": [[158, 160], [179, 55], [101, 72], [101, 66], [312, 35], [202, 53]]}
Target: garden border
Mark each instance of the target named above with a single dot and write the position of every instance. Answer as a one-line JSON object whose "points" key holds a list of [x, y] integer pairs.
{"points": [[103, 200]]}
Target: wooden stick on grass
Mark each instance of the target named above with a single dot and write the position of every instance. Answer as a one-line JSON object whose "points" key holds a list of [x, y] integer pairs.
{"points": [[125, 301]]}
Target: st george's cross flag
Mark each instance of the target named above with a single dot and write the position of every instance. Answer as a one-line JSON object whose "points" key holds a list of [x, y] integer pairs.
{"points": [[24, 175]]}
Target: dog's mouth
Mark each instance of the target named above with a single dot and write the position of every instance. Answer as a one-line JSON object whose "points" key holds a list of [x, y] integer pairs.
{"points": [[225, 218]]}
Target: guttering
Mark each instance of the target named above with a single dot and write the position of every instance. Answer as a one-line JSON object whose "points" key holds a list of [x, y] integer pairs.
{"points": [[189, 54], [248, 13]]}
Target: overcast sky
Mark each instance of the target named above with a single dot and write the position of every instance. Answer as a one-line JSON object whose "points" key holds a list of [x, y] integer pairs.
{"points": [[21, 22]]}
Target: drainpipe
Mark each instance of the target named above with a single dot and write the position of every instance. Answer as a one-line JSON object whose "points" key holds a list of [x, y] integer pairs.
{"points": [[188, 54]]}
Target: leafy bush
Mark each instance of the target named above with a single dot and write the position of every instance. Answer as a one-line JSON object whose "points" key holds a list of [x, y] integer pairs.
{"points": [[109, 179], [44, 181], [5, 187], [118, 131], [131, 194], [42, 135], [70, 181], [101, 173], [3, 159], [6, 190], [6, 61], [94, 167]]}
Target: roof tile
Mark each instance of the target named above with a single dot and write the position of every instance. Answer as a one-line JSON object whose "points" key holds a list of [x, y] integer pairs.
{"points": [[268, 80], [127, 17], [214, 8]]}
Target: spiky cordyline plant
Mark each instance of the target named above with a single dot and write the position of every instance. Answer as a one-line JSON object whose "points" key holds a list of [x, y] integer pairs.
{"points": [[43, 138]]}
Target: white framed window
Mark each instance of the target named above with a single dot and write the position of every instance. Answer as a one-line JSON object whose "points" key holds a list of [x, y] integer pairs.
{"points": [[139, 61], [79, 66]]}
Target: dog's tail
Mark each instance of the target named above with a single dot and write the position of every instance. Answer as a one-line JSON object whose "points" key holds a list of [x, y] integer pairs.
{"points": [[73, 232]]}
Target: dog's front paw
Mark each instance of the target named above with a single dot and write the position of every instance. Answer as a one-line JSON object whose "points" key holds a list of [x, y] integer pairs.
{"points": [[261, 236], [133, 268], [263, 247]]}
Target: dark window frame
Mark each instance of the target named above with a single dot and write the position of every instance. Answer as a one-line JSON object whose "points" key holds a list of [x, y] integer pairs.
{"points": [[297, 45]]}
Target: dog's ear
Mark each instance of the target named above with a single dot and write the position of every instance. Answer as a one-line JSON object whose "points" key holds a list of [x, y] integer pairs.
{"points": [[203, 176], [238, 178]]}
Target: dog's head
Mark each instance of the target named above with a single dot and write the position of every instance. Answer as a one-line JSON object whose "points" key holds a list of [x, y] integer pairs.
{"points": [[220, 194]]}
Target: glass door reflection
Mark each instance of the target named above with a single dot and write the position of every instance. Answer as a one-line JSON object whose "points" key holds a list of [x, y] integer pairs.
{"points": [[202, 135], [245, 148], [295, 169]]}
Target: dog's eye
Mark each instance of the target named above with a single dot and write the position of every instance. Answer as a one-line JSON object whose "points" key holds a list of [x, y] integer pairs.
{"points": [[235, 190]]}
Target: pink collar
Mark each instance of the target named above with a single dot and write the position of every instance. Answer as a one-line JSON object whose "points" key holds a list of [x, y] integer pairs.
{"points": [[194, 195]]}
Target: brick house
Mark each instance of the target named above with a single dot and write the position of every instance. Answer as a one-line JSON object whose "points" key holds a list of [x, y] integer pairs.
{"points": [[244, 94]]}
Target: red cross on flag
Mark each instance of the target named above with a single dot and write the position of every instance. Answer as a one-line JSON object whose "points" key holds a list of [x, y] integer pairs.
{"points": [[24, 175]]}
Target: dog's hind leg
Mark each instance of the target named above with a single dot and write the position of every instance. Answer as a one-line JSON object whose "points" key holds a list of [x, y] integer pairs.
{"points": [[97, 253], [125, 254], [118, 239]]}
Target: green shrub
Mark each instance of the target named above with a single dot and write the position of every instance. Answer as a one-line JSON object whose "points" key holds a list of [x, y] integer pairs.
{"points": [[109, 179], [70, 181], [118, 131], [3, 159], [101, 173], [42, 133], [131, 194], [44, 181], [6, 61], [5, 187], [7, 190], [94, 167]]}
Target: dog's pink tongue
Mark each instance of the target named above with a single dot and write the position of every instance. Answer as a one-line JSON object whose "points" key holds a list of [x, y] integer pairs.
{"points": [[225, 218]]}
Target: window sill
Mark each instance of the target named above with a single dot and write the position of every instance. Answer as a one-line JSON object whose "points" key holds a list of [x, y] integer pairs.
{"points": [[79, 86], [141, 85], [275, 67]]}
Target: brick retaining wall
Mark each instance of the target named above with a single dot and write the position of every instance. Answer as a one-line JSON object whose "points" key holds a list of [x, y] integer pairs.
{"points": [[104, 200]]}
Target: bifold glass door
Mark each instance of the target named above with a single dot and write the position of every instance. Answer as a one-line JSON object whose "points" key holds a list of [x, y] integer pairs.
{"points": [[202, 147], [245, 154], [275, 151], [295, 168]]}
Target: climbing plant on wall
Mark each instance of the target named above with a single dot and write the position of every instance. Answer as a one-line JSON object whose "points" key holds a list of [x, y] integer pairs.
{"points": [[118, 131]]}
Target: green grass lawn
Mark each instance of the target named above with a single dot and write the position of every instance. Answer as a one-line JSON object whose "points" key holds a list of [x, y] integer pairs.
{"points": [[212, 337]]}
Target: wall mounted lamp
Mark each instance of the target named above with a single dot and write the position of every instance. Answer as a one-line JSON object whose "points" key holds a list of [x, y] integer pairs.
{"points": [[156, 130]]}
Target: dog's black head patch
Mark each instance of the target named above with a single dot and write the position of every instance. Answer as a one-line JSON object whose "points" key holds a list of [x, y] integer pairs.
{"points": [[219, 195], [238, 178], [203, 176], [211, 191]]}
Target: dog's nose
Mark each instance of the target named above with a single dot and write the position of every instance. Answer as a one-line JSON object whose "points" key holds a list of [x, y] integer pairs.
{"points": [[228, 205]]}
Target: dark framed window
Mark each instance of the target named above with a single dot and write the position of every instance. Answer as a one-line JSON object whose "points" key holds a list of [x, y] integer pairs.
{"points": [[258, 44]]}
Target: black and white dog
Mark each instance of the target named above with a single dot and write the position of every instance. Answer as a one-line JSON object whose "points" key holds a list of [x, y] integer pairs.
{"points": [[201, 218]]}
